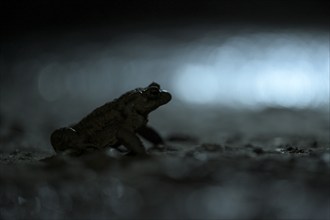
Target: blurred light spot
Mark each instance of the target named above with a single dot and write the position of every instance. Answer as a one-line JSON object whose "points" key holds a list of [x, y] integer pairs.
{"points": [[260, 70], [289, 89], [218, 203], [127, 203], [49, 199], [197, 84], [175, 168], [50, 82]]}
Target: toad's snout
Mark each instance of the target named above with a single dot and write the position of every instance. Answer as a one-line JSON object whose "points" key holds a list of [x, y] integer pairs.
{"points": [[165, 96]]}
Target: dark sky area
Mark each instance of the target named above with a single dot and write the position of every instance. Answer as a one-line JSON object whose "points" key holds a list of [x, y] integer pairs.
{"points": [[20, 17]]}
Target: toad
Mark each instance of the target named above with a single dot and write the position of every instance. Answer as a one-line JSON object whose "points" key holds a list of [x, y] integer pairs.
{"points": [[115, 123]]}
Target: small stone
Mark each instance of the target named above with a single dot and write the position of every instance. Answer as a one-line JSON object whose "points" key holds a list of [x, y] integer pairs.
{"points": [[258, 150], [314, 144], [212, 147]]}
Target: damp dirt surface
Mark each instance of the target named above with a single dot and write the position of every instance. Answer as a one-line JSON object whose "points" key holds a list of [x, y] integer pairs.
{"points": [[240, 176]]}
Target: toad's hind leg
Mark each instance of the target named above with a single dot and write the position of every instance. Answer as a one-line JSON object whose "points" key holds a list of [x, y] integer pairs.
{"points": [[64, 138]]}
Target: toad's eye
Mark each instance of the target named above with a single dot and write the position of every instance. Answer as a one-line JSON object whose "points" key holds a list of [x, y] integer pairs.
{"points": [[153, 92]]}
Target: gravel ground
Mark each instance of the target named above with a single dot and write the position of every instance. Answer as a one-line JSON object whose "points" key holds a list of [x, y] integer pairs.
{"points": [[237, 175]]}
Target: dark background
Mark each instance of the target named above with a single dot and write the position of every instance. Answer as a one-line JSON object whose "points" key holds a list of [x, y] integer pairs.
{"points": [[19, 17], [153, 35], [108, 47]]}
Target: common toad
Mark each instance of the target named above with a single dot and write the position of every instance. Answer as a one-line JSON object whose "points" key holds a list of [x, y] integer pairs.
{"points": [[113, 124]]}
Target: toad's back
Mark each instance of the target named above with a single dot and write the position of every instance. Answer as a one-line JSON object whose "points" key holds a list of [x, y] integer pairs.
{"points": [[100, 126]]}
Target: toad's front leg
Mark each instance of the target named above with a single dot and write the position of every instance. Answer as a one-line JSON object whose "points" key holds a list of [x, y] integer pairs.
{"points": [[131, 142], [151, 135]]}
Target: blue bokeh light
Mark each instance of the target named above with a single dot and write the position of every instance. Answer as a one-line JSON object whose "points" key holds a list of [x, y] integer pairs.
{"points": [[259, 71]]}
